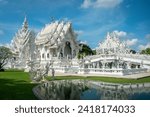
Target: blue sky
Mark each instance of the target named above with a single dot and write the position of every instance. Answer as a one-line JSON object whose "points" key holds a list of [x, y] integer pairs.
{"points": [[91, 19]]}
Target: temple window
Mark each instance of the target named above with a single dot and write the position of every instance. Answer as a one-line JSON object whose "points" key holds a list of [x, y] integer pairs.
{"points": [[48, 55], [133, 66], [43, 55], [139, 66]]}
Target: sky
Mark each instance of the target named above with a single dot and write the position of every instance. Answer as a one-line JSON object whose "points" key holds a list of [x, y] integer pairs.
{"points": [[91, 19]]}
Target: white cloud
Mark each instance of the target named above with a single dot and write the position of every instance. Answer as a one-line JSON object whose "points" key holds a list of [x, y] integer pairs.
{"points": [[84, 42], [79, 32], [65, 19], [35, 29], [131, 42], [101, 3], [86, 4], [120, 33], [1, 32], [127, 37], [107, 3], [142, 47], [6, 45], [147, 36]]}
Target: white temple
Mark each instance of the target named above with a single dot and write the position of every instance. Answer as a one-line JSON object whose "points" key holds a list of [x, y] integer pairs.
{"points": [[112, 45], [57, 45], [114, 58], [23, 46]]}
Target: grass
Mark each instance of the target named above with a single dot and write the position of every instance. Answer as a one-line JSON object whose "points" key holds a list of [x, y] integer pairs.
{"points": [[15, 85], [104, 79]]}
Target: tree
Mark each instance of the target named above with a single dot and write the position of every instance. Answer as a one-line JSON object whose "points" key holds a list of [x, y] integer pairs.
{"points": [[5, 55], [94, 52], [133, 51], [146, 51], [86, 50]]}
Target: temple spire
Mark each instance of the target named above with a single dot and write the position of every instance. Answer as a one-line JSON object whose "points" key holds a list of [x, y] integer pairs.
{"points": [[52, 19], [25, 25], [108, 36]]}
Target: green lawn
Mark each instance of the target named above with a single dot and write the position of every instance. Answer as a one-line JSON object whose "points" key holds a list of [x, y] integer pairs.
{"points": [[105, 79], [16, 85]]}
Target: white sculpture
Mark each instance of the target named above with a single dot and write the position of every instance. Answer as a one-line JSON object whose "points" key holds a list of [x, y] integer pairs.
{"points": [[38, 73]]}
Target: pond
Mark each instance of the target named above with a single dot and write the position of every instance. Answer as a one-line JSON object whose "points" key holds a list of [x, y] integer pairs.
{"points": [[108, 94], [86, 90]]}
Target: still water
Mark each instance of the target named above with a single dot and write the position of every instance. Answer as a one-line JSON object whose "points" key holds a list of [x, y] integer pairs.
{"points": [[79, 90], [108, 94]]}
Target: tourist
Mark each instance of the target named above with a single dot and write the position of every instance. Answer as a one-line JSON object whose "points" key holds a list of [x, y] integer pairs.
{"points": [[53, 73]]}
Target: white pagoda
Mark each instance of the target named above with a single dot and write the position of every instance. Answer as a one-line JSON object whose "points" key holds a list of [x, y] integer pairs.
{"points": [[23, 46]]}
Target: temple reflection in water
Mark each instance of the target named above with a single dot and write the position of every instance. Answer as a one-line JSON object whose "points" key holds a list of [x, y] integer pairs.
{"points": [[80, 90]]}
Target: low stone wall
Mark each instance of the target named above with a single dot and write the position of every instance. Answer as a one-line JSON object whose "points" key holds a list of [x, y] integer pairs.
{"points": [[134, 71], [119, 86]]}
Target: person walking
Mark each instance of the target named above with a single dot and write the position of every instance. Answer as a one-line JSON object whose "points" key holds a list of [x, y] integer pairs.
{"points": [[53, 73]]}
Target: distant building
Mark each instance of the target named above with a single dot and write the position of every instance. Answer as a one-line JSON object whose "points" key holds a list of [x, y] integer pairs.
{"points": [[112, 45], [114, 58]]}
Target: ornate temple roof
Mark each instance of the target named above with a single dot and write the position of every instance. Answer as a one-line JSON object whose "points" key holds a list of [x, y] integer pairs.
{"points": [[53, 33], [112, 44], [21, 37]]}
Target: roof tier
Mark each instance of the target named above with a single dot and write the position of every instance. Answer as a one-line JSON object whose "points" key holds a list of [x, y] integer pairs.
{"points": [[52, 32], [112, 44]]}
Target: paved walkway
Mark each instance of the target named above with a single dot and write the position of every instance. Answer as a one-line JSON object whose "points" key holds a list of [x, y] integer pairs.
{"points": [[134, 76]]}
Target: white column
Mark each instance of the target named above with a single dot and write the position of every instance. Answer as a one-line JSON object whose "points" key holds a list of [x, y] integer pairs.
{"points": [[128, 66], [98, 64], [72, 50], [63, 50], [103, 65]]}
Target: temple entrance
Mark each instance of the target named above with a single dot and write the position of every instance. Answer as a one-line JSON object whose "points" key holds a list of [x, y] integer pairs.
{"points": [[67, 50], [53, 52]]}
